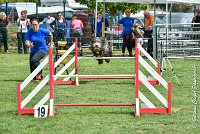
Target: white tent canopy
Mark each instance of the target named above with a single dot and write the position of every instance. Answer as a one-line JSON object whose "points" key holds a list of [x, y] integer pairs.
{"points": [[153, 1]]}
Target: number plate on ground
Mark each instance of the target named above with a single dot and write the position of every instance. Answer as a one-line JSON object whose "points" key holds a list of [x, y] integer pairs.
{"points": [[40, 111]]}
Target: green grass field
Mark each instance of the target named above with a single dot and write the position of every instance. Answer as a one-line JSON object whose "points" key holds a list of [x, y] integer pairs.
{"points": [[96, 120]]}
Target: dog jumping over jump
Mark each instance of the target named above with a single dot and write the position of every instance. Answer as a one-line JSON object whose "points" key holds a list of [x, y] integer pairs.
{"points": [[100, 48]]}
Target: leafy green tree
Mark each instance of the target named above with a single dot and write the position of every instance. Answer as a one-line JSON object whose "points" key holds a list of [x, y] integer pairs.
{"points": [[113, 8]]}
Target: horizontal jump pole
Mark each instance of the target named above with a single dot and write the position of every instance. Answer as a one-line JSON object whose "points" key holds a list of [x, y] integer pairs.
{"points": [[99, 76], [103, 78], [100, 104], [106, 57], [176, 24]]}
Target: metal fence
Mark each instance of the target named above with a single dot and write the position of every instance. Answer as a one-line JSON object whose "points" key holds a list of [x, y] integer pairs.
{"points": [[178, 40]]}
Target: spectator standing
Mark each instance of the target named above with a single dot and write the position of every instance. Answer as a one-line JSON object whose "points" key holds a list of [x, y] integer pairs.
{"points": [[76, 26], [196, 19], [76, 29], [23, 23], [26, 13], [127, 23], [3, 31], [60, 26], [100, 21], [35, 39], [138, 33], [48, 20], [149, 20]]}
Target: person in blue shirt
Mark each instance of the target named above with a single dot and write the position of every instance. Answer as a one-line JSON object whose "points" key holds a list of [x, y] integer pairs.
{"points": [[127, 23], [100, 20], [59, 25], [35, 39]]}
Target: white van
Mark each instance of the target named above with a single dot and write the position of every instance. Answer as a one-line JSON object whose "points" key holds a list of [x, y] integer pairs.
{"points": [[20, 6]]}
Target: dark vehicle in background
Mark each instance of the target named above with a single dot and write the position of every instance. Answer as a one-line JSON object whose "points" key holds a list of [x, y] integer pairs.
{"points": [[12, 13], [41, 16], [42, 13]]}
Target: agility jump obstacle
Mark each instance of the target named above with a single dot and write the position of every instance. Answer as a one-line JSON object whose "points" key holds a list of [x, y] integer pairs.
{"points": [[142, 79], [139, 77]]}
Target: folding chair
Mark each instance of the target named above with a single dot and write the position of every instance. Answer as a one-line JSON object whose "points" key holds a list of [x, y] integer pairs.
{"points": [[62, 48]]}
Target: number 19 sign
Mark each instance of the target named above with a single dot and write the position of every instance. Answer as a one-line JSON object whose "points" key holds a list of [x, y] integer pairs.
{"points": [[41, 111]]}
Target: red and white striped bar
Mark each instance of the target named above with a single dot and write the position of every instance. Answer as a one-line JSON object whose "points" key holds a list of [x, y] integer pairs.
{"points": [[142, 79], [124, 76], [137, 107], [51, 82], [76, 61]]}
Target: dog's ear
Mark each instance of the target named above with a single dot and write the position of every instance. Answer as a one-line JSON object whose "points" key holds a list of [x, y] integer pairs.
{"points": [[92, 41], [98, 39], [90, 47]]}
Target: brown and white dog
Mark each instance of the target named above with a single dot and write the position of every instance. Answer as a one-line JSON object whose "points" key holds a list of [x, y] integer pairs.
{"points": [[100, 48]]}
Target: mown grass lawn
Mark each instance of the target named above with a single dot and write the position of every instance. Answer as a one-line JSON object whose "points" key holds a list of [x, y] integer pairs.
{"points": [[96, 120]]}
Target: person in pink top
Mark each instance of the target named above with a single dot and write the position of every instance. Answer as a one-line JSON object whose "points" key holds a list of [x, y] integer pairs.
{"points": [[76, 25], [76, 29]]}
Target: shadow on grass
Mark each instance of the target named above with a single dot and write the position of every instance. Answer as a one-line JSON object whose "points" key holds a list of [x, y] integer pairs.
{"points": [[10, 80], [9, 113], [131, 82], [114, 113], [101, 113]]}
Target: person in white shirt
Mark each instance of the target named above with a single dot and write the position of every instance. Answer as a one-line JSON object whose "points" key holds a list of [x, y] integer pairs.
{"points": [[23, 23], [48, 20]]}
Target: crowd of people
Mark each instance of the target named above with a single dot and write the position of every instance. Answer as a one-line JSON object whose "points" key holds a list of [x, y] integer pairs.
{"points": [[34, 40]]}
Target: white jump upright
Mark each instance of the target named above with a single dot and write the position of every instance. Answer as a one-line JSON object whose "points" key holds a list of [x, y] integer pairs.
{"points": [[53, 79], [49, 77], [142, 79]]}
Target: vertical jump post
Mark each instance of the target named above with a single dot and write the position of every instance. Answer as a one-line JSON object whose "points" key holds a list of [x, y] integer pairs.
{"points": [[51, 81], [76, 61], [19, 98], [137, 108]]}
